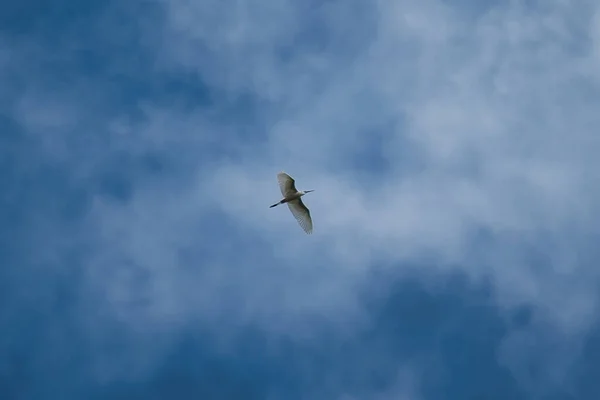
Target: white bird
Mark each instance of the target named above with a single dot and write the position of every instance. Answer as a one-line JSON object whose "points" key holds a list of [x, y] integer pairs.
{"points": [[292, 197]]}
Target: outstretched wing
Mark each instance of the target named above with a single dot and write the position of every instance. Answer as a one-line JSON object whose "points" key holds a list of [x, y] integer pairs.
{"points": [[286, 184], [302, 215]]}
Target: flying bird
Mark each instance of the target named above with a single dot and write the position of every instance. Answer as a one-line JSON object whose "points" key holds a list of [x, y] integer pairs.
{"points": [[292, 197]]}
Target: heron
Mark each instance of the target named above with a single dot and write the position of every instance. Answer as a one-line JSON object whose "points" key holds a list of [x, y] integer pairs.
{"points": [[292, 197]]}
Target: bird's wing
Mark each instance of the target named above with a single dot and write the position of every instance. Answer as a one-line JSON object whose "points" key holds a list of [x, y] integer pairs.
{"points": [[286, 184], [301, 214]]}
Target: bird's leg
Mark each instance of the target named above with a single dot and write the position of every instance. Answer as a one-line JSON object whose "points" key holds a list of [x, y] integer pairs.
{"points": [[282, 201]]}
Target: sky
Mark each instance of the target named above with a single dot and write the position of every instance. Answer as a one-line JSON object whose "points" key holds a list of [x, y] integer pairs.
{"points": [[452, 146]]}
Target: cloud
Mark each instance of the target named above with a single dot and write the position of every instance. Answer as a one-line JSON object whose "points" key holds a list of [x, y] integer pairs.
{"points": [[458, 139], [500, 132]]}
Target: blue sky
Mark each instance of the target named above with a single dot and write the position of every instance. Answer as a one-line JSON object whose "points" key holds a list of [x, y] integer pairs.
{"points": [[453, 148]]}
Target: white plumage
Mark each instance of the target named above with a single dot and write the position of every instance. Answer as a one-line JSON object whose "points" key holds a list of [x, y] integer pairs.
{"points": [[292, 197]]}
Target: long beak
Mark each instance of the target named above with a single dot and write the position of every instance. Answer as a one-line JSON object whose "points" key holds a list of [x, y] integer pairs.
{"points": [[308, 191]]}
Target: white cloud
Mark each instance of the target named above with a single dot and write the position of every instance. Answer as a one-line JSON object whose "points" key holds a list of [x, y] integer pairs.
{"points": [[487, 123]]}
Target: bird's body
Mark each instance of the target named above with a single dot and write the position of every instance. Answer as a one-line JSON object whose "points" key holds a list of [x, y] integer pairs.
{"points": [[292, 197]]}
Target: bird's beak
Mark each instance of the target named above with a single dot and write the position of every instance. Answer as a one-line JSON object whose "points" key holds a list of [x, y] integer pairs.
{"points": [[308, 191]]}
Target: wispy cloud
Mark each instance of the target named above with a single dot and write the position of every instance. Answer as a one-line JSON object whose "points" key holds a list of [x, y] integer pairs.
{"points": [[457, 138]]}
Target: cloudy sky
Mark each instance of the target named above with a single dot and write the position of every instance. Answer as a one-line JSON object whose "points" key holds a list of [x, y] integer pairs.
{"points": [[453, 148]]}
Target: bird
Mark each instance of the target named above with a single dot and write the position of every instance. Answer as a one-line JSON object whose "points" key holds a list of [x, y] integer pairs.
{"points": [[292, 197]]}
